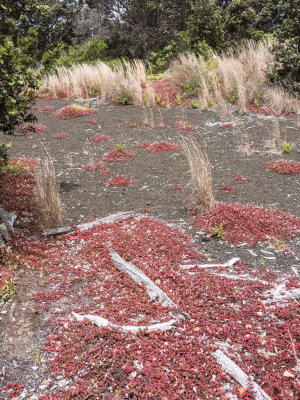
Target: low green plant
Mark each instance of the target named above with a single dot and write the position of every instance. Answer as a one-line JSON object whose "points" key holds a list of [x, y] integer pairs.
{"points": [[4, 157], [17, 168], [218, 231], [178, 98], [125, 98], [121, 147], [8, 290], [155, 77], [192, 87], [194, 105], [287, 147]]}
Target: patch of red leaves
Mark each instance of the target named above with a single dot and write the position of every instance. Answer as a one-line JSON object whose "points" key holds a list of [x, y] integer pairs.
{"points": [[93, 167], [117, 181], [244, 223], [100, 138], [165, 91], [26, 162], [61, 136], [177, 364], [177, 187], [185, 126], [92, 121], [162, 147], [226, 126], [227, 188], [260, 110], [239, 178], [17, 193], [142, 145], [283, 166], [29, 129], [12, 389], [69, 112], [117, 155], [107, 172], [42, 108]]}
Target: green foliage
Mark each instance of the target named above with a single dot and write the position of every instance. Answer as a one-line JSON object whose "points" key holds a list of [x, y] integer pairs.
{"points": [[121, 147], [194, 105], [125, 98], [62, 55], [8, 290], [17, 89], [160, 60], [192, 87], [4, 157], [218, 231], [287, 147]]}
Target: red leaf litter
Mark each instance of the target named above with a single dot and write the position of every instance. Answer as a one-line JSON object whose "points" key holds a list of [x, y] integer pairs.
{"points": [[69, 112], [142, 145], [227, 188], [162, 147], [100, 138], [61, 136], [244, 223], [177, 187], [107, 172], [165, 91], [42, 108], [226, 126], [239, 178], [119, 181], [117, 155], [283, 166], [29, 129], [13, 389], [92, 121], [236, 315], [93, 167]]}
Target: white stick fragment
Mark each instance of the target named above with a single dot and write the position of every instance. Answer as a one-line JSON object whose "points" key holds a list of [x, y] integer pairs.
{"points": [[102, 322], [232, 369], [141, 279], [230, 263], [88, 225], [280, 293]]}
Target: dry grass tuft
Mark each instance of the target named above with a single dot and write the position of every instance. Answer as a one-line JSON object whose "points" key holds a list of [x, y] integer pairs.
{"points": [[245, 146], [200, 199], [47, 198]]}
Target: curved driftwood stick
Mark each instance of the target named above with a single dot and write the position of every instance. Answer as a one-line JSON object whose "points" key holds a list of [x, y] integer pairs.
{"points": [[106, 220], [102, 322], [232, 369], [141, 279], [230, 263]]}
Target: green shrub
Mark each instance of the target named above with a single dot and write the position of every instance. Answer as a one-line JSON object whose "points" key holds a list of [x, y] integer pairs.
{"points": [[192, 87], [125, 98], [4, 157], [160, 60]]}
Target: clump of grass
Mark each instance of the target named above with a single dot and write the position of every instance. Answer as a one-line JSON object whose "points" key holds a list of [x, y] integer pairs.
{"points": [[47, 198], [200, 199]]}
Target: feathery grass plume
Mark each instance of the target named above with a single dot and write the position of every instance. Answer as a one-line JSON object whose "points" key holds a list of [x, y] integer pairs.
{"points": [[47, 199], [200, 198]]}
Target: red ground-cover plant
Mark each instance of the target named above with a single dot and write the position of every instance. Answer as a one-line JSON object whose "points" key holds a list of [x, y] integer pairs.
{"points": [[93, 167], [250, 224], [260, 110], [117, 155], [165, 91], [100, 138], [106, 172], [30, 129], [159, 126], [177, 187], [228, 188], [174, 364], [26, 164], [17, 193], [42, 108], [69, 112], [226, 126], [142, 145], [12, 389], [185, 126], [283, 166], [92, 121], [117, 181], [239, 178], [61, 136], [162, 147]]}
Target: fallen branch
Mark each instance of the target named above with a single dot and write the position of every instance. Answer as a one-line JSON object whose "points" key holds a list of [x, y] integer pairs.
{"points": [[141, 279], [88, 225], [232, 369], [230, 263], [102, 322]]}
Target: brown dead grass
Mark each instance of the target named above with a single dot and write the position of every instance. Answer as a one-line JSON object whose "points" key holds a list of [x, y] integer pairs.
{"points": [[200, 198], [47, 198]]}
